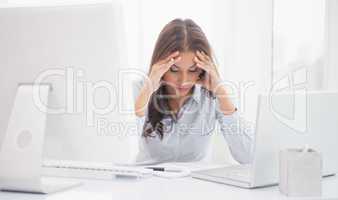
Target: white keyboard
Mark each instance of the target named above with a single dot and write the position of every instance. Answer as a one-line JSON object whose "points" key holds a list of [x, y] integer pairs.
{"points": [[242, 171], [235, 172], [80, 169]]}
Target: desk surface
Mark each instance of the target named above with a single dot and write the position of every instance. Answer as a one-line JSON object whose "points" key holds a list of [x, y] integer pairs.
{"points": [[160, 188]]}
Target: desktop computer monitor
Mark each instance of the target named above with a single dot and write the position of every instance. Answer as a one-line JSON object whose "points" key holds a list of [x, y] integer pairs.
{"points": [[79, 50]]}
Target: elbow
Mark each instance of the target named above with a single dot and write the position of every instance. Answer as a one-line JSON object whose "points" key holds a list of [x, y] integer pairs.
{"points": [[139, 112], [243, 157], [244, 161]]}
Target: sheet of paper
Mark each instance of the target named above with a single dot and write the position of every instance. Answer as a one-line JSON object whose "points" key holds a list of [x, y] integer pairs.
{"points": [[192, 166]]}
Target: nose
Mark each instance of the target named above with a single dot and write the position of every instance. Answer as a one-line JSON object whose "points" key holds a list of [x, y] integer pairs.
{"points": [[184, 79]]}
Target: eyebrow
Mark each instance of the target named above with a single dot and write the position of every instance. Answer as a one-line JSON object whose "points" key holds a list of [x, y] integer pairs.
{"points": [[189, 67]]}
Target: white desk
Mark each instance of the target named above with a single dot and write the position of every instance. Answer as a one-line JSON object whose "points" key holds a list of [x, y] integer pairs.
{"points": [[171, 189]]}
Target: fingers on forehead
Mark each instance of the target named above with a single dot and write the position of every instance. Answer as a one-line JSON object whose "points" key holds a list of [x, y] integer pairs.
{"points": [[169, 57]]}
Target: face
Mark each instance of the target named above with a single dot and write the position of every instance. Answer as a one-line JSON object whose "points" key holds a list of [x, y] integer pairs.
{"points": [[182, 76]]}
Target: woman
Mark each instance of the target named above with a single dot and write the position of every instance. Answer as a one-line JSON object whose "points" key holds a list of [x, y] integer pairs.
{"points": [[183, 97]]}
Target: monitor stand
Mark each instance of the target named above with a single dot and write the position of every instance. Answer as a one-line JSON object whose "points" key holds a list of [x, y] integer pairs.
{"points": [[22, 145]]}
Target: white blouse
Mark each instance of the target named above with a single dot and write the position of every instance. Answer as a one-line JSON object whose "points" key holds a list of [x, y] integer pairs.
{"points": [[187, 138]]}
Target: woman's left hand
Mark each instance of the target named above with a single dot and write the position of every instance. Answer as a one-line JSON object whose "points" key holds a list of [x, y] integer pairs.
{"points": [[212, 78], [212, 82]]}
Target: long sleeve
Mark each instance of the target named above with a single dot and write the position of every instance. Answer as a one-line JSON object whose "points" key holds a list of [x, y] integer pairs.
{"points": [[238, 133], [143, 156]]}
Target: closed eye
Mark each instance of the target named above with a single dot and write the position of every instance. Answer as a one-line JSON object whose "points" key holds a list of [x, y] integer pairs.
{"points": [[193, 69], [174, 68]]}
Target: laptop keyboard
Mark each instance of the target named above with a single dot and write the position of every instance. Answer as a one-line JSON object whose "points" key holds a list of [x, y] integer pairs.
{"points": [[235, 172]]}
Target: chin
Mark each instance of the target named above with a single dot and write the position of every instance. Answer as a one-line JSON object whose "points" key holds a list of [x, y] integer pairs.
{"points": [[184, 92]]}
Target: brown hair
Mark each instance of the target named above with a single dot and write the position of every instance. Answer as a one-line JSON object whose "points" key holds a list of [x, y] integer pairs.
{"points": [[177, 35]]}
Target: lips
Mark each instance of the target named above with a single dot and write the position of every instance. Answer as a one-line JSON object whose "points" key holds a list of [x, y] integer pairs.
{"points": [[183, 88]]}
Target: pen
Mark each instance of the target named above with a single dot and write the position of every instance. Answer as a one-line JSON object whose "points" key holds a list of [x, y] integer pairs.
{"points": [[162, 169]]}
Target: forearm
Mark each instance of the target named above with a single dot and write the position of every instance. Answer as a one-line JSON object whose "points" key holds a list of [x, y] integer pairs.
{"points": [[143, 98], [239, 135], [225, 105]]}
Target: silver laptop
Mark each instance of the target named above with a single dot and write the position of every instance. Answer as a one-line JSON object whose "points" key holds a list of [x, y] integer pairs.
{"points": [[286, 120]]}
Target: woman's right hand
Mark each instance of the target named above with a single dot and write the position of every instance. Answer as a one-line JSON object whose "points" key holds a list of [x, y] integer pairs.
{"points": [[153, 82], [160, 68]]}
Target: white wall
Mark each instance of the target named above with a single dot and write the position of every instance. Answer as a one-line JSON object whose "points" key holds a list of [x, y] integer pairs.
{"points": [[244, 33], [332, 28], [299, 40]]}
